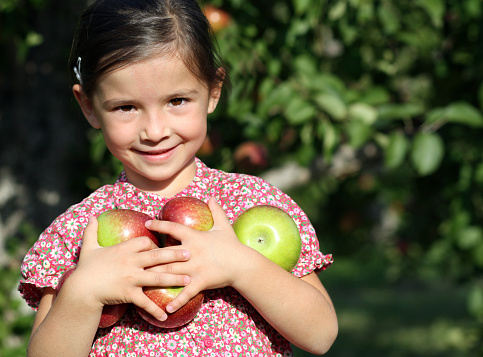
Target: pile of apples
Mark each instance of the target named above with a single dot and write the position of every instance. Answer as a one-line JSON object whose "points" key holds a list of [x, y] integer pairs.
{"points": [[267, 229]]}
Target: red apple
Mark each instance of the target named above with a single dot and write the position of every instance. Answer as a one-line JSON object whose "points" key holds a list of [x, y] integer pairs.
{"points": [[119, 225], [188, 211], [217, 18], [162, 297], [116, 226], [251, 157], [111, 314], [195, 214]]}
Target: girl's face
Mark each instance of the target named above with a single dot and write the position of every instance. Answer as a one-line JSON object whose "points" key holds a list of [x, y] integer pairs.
{"points": [[153, 117]]}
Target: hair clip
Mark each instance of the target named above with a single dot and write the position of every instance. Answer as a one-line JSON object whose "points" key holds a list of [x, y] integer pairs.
{"points": [[77, 70]]}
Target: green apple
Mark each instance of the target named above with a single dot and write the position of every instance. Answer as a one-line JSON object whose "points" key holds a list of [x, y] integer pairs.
{"points": [[272, 232]]}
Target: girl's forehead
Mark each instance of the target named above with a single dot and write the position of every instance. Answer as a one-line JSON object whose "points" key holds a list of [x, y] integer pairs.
{"points": [[157, 73], [155, 63]]}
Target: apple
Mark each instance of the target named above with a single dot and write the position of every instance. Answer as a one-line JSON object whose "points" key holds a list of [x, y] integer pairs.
{"points": [[251, 156], [272, 232], [217, 18], [188, 211], [116, 226], [211, 144], [119, 225], [195, 214], [111, 314], [162, 297]]}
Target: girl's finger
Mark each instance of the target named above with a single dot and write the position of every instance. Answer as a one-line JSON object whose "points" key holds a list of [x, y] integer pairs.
{"points": [[155, 258], [89, 237], [164, 280], [183, 297], [176, 230], [219, 215], [145, 303], [139, 244]]}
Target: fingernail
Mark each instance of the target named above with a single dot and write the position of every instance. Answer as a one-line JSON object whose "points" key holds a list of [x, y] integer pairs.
{"points": [[164, 317], [147, 224], [187, 280], [169, 308], [186, 254]]}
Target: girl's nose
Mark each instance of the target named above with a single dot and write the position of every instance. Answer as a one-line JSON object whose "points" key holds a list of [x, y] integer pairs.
{"points": [[154, 128]]}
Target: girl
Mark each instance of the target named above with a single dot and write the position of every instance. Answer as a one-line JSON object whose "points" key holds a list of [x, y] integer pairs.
{"points": [[148, 76]]}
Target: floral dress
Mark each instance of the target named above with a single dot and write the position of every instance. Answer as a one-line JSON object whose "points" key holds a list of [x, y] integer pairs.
{"points": [[227, 325]]}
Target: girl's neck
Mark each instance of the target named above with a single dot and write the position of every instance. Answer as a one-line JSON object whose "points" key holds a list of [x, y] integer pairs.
{"points": [[165, 188]]}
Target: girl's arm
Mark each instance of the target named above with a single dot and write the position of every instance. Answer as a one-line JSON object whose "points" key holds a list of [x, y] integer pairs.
{"points": [[66, 328], [298, 308], [65, 324]]}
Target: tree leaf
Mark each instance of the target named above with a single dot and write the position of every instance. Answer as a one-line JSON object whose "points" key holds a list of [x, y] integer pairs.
{"points": [[427, 152], [435, 9], [363, 112], [475, 300], [359, 133], [470, 237], [299, 111], [396, 150], [464, 113], [338, 11], [399, 111], [330, 139], [332, 104]]}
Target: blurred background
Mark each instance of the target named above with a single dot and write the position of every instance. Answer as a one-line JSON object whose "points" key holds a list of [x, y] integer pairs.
{"points": [[367, 112]]}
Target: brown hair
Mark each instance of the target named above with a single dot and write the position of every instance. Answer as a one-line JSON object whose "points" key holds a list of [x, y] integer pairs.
{"points": [[115, 33]]}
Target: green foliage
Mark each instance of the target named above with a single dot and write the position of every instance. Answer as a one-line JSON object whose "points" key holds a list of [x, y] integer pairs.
{"points": [[352, 72], [408, 318], [16, 28], [382, 100], [396, 87], [400, 84], [16, 317]]}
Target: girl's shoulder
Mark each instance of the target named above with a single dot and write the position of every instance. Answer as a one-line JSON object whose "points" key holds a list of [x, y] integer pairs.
{"points": [[227, 181], [58, 246], [100, 200], [238, 192]]}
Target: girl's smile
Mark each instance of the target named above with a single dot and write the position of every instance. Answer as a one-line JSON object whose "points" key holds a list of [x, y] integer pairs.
{"points": [[152, 114], [156, 155]]}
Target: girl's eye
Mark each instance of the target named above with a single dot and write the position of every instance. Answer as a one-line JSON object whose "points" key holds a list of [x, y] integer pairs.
{"points": [[177, 101], [125, 108]]}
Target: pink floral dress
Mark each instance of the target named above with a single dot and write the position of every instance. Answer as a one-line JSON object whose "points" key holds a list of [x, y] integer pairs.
{"points": [[227, 325]]}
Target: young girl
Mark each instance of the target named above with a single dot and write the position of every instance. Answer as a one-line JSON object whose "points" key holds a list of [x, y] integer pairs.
{"points": [[147, 77]]}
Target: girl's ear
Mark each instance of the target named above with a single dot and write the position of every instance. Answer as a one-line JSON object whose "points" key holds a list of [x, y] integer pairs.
{"points": [[86, 106], [215, 92]]}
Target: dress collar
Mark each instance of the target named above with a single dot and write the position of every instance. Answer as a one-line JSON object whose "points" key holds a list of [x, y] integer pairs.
{"points": [[126, 195]]}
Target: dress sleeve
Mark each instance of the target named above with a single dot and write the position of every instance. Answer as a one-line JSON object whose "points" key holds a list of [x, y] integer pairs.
{"points": [[56, 250], [249, 191], [311, 258]]}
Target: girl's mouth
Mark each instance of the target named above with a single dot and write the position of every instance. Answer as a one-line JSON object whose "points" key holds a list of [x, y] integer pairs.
{"points": [[156, 154]]}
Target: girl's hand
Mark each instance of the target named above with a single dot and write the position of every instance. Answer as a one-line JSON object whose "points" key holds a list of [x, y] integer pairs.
{"points": [[215, 254], [116, 274]]}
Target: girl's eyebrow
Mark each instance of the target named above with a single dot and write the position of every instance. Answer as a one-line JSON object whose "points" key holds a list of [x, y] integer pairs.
{"points": [[115, 102], [183, 93]]}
